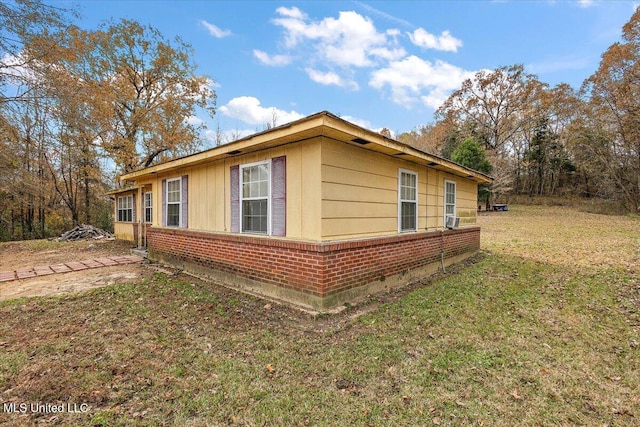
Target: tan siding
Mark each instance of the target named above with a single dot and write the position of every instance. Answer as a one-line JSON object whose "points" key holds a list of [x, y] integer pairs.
{"points": [[467, 203], [310, 178], [434, 207], [294, 187], [346, 175], [360, 192], [123, 231], [334, 191], [220, 200], [336, 209], [209, 191], [303, 186], [466, 199]]}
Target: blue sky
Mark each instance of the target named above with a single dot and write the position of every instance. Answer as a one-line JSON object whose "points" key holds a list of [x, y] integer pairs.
{"points": [[376, 63]]}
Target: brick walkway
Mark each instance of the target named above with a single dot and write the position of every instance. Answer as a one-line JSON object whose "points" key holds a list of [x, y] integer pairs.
{"points": [[45, 270]]}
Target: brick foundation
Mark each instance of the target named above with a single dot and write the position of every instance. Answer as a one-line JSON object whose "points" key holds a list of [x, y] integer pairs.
{"points": [[316, 275]]}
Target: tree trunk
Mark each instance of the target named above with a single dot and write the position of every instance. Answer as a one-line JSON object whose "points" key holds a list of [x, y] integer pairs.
{"points": [[12, 229], [87, 200], [22, 233]]}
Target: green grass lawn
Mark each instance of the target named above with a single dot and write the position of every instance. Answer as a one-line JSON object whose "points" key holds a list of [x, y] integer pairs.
{"points": [[542, 328]]}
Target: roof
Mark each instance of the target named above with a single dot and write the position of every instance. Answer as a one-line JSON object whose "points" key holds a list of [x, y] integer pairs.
{"points": [[122, 190], [320, 124]]}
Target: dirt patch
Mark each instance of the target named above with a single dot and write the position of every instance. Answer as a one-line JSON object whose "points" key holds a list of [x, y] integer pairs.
{"points": [[16, 255], [76, 281]]}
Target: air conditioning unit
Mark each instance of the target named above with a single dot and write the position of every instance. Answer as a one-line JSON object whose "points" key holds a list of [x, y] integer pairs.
{"points": [[452, 222]]}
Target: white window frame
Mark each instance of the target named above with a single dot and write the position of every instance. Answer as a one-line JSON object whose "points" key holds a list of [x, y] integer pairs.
{"points": [[148, 207], [179, 203], [268, 197], [444, 200], [120, 201], [401, 200]]}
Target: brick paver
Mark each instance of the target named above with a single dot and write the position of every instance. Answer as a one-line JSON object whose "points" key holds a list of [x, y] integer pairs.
{"points": [[76, 266], [106, 261], [25, 274], [44, 270], [5, 276], [60, 268], [92, 263]]}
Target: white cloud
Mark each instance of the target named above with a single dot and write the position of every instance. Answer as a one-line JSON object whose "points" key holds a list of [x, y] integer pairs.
{"points": [[272, 60], [349, 40], [330, 78], [212, 83], [215, 31], [195, 121], [364, 124], [15, 68], [445, 41], [249, 110], [294, 12], [293, 21], [357, 121], [413, 79], [585, 3]]}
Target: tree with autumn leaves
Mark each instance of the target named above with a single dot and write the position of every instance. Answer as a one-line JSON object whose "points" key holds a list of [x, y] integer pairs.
{"points": [[545, 140], [135, 89], [77, 104], [609, 128]]}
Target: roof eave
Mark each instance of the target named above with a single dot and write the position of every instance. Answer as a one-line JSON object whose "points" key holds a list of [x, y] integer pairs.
{"points": [[323, 122]]}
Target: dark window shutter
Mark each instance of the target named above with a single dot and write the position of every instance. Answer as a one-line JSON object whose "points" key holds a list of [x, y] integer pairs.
{"points": [[184, 216], [133, 208], [235, 198], [279, 196], [164, 203]]}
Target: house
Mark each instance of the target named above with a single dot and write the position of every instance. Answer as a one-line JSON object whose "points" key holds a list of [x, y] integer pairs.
{"points": [[317, 212]]}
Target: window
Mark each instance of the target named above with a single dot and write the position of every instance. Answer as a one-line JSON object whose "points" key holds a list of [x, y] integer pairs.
{"points": [[125, 208], [449, 199], [148, 207], [174, 201], [407, 200], [259, 197], [254, 193]]}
